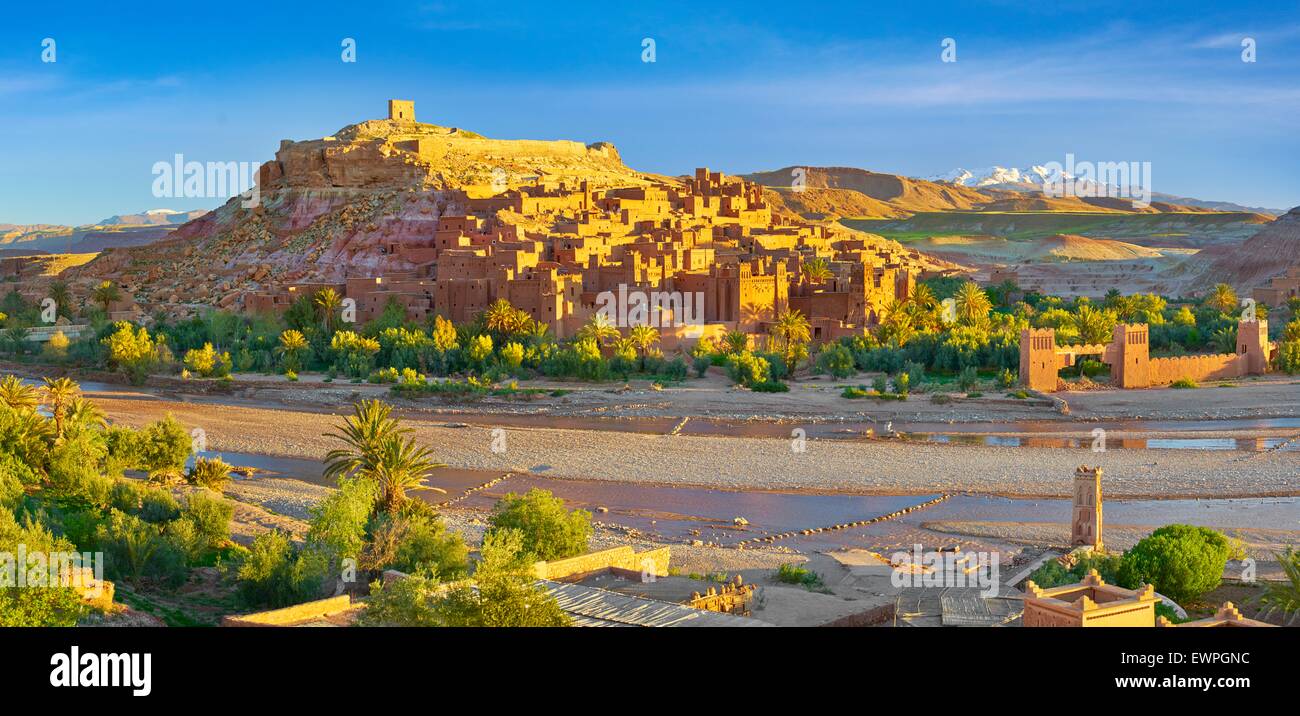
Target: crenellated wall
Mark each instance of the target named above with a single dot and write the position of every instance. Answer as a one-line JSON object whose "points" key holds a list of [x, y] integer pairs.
{"points": [[1131, 364], [1216, 366]]}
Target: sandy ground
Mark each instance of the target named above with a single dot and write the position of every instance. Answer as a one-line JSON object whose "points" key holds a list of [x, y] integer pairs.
{"points": [[867, 467]]}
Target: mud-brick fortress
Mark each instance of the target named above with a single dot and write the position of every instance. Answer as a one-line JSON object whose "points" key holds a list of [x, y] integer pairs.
{"points": [[1131, 365], [553, 246]]}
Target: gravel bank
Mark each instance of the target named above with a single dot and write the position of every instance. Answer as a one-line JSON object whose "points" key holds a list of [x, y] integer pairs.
{"points": [[880, 467]]}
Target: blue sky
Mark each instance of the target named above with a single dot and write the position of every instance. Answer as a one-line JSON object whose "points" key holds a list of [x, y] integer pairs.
{"points": [[745, 87]]}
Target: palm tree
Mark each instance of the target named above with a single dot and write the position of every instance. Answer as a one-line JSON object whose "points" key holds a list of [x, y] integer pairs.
{"points": [[1225, 339], [329, 302], [292, 345], [504, 319], [923, 296], [83, 414], [1284, 596], [17, 395], [60, 393], [735, 342], [400, 465], [370, 424], [62, 298], [816, 270], [642, 338], [1094, 326], [106, 294], [792, 331], [972, 304], [599, 329], [1224, 298]]}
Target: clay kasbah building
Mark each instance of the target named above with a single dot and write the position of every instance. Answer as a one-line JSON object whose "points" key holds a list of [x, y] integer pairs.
{"points": [[705, 253]]}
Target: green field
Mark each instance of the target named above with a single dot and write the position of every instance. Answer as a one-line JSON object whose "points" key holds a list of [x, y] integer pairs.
{"points": [[1032, 226]]}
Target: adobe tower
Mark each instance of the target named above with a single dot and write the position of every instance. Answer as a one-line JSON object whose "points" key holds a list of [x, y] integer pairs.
{"points": [[401, 110]]}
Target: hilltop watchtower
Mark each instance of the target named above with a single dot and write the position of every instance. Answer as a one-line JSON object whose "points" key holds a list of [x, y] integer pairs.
{"points": [[401, 110]]}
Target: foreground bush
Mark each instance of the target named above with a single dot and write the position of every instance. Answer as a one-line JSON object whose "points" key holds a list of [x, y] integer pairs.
{"points": [[1181, 561], [502, 593], [546, 529], [275, 575]]}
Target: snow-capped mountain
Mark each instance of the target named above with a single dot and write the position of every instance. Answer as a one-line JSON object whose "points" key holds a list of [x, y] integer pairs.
{"points": [[995, 176], [1032, 179]]}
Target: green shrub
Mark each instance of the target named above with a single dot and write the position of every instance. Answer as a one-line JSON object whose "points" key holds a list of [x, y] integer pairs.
{"points": [[836, 360], [794, 574], [771, 386], [158, 506], [505, 592], [18, 470], [274, 574], [1181, 561], [212, 473], [161, 445], [410, 602], [701, 364], [747, 369], [1006, 378], [1184, 383], [968, 378], [338, 523], [547, 529], [28, 605], [210, 515]]}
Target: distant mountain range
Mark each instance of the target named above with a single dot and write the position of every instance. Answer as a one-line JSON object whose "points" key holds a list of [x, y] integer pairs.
{"points": [[153, 217], [1032, 179], [117, 230]]}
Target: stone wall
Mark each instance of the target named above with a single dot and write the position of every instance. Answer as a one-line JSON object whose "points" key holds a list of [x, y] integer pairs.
{"points": [[295, 614], [624, 560]]}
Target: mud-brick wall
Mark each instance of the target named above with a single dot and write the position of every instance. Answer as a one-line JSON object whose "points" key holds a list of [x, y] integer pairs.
{"points": [[621, 559], [1203, 367]]}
